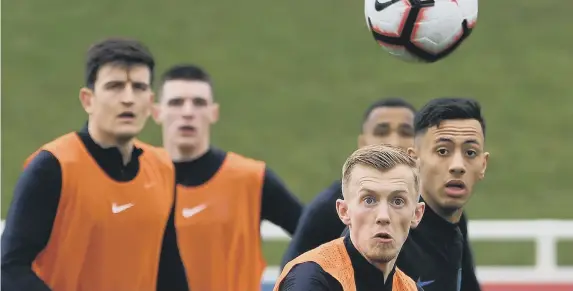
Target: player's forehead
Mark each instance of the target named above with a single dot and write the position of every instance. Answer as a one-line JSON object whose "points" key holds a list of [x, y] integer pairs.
{"points": [[121, 73], [365, 179], [456, 131], [394, 115], [178, 89]]}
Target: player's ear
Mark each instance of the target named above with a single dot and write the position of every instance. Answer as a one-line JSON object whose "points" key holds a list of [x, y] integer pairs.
{"points": [[484, 165], [86, 96], [361, 141], [412, 153], [156, 112], [418, 214], [214, 113], [152, 102], [342, 210]]}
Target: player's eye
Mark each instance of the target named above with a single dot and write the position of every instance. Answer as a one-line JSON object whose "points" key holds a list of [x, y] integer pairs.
{"points": [[140, 86], [471, 153], [381, 131], [114, 85], [407, 132], [442, 151], [199, 102], [398, 201], [176, 102], [369, 200]]}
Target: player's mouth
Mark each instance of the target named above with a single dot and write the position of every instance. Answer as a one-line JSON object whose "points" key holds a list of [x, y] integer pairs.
{"points": [[187, 130], [455, 188], [384, 237], [126, 116]]}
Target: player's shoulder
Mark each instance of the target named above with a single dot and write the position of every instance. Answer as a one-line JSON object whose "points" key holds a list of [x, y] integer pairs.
{"points": [[61, 149], [42, 160], [307, 269], [154, 153], [64, 144], [239, 162], [242, 158], [309, 275]]}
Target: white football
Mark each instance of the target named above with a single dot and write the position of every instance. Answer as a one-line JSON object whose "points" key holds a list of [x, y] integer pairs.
{"points": [[420, 30]]}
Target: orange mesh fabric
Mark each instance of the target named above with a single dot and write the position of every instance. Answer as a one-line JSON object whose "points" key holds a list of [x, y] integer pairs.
{"points": [[334, 259], [402, 282]]}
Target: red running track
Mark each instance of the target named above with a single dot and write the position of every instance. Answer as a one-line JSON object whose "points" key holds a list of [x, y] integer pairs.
{"points": [[527, 287]]}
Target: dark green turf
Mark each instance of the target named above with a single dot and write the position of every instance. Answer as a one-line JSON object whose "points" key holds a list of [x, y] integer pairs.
{"points": [[293, 78]]}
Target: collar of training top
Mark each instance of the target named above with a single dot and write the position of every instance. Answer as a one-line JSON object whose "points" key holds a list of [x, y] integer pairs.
{"points": [[200, 170], [433, 224], [110, 156], [364, 272]]}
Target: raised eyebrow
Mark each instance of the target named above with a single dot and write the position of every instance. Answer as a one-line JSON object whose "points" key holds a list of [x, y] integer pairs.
{"points": [[444, 139], [367, 192], [140, 84], [199, 98], [382, 124], [114, 82], [398, 192], [472, 141]]}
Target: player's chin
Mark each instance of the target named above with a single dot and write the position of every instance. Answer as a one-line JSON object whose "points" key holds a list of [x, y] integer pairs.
{"points": [[454, 203], [382, 255], [186, 143], [127, 132]]}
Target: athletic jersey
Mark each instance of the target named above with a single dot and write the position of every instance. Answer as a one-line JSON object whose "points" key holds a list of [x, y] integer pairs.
{"points": [[334, 259], [218, 227], [106, 235]]}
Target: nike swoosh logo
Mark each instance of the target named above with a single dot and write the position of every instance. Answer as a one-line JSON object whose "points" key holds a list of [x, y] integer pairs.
{"points": [[424, 283], [188, 212], [381, 6], [120, 208]]}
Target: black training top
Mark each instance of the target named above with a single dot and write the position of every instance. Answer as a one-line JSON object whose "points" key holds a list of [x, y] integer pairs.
{"points": [[438, 256], [430, 255], [310, 276]]}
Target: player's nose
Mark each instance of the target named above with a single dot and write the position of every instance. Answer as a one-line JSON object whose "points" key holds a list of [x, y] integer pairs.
{"points": [[393, 139], [127, 97], [188, 110], [383, 214], [457, 165]]}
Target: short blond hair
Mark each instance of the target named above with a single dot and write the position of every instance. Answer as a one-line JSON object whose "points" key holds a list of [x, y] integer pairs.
{"points": [[382, 158]]}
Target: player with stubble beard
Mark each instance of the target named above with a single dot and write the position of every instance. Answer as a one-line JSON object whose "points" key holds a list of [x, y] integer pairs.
{"points": [[380, 204]]}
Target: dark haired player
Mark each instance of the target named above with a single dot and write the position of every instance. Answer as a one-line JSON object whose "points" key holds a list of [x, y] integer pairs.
{"points": [[386, 121], [449, 145], [222, 196], [91, 208]]}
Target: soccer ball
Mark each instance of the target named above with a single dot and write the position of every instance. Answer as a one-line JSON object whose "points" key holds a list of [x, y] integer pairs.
{"points": [[420, 30]]}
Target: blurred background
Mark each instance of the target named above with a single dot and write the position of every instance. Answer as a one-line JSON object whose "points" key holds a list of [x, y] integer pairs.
{"points": [[293, 79]]}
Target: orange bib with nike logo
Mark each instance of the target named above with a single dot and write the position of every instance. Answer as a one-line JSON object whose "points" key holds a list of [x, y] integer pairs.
{"points": [[107, 235], [333, 258]]}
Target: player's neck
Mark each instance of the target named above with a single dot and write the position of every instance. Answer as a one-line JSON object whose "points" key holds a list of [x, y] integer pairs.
{"points": [[452, 216], [125, 147], [386, 268], [186, 154]]}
